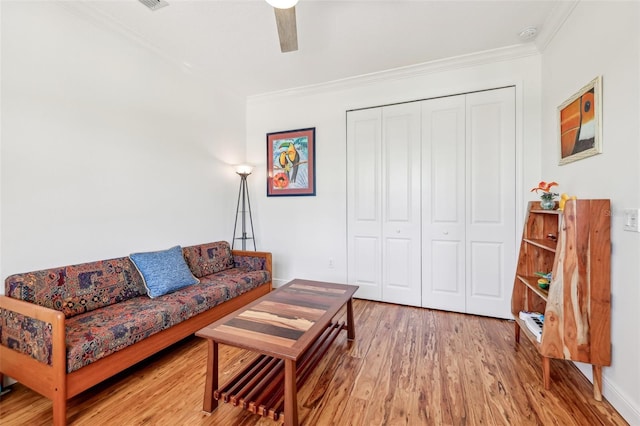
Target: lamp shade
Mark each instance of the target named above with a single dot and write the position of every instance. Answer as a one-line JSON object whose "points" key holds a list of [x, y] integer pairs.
{"points": [[282, 4], [244, 169]]}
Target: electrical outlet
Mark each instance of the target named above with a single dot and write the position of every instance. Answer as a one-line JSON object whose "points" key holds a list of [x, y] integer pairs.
{"points": [[331, 265], [631, 220]]}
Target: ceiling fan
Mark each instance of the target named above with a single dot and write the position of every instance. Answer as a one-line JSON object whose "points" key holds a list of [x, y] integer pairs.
{"points": [[285, 11]]}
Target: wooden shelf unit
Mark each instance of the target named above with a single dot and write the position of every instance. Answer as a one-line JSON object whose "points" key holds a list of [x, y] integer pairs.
{"points": [[575, 246]]}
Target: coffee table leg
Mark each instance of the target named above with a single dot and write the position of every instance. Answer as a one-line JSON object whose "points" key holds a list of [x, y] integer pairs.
{"points": [[211, 384], [351, 329], [290, 394]]}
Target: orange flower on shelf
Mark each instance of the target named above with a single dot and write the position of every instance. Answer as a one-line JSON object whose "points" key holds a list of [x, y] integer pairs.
{"points": [[547, 196], [545, 187]]}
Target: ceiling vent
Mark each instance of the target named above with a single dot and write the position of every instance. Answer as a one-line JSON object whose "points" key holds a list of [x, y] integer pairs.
{"points": [[154, 4], [528, 33]]}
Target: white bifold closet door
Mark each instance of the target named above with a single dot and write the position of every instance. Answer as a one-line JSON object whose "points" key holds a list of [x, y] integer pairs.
{"points": [[383, 173], [431, 202], [468, 202]]}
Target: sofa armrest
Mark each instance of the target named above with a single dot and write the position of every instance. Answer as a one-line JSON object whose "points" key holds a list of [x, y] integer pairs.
{"points": [[253, 260], [45, 327]]}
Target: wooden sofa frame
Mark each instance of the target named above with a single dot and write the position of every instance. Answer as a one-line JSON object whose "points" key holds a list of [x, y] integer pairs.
{"points": [[53, 381]]}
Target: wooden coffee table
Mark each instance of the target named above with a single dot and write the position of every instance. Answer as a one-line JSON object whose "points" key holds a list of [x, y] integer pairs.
{"points": [[291, 328]]}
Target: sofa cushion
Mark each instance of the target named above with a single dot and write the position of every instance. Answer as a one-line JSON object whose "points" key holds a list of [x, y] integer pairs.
{"points": [[96, 334], [163, 271], [207, 259], [99, 333], [80, 288], [250, 263], [194, 300], [237, 280]]}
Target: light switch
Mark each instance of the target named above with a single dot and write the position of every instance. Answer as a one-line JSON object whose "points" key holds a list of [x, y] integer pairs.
{"points": [[631, 220]]}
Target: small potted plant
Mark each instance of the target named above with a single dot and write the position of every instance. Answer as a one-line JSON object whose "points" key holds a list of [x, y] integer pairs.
{"points": [[547, 197]]}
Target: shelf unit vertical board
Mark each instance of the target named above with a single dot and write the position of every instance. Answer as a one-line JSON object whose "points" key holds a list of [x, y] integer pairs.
{"points": [[519, 294], [578, 314], [577, 306], [600, 282], [553, 332], [573, 278]]}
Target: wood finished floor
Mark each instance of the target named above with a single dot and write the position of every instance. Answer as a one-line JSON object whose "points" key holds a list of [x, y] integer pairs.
{"points": [[407, 365]]}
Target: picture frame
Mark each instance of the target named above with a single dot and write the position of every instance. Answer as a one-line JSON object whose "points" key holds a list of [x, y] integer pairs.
{"points": [[291, 163], [580, 124]]}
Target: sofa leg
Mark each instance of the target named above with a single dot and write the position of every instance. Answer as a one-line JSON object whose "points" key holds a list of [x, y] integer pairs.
{"points": [[59, 409]]}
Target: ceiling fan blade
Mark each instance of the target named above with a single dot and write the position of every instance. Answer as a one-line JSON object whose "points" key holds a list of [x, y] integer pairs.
{"points": [[287, 30]]}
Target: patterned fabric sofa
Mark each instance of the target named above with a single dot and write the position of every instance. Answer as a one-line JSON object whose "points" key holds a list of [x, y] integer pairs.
{"points": [[63, 330]]}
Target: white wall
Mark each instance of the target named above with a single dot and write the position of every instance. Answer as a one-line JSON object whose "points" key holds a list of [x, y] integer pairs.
{"points": [[107, 148], [304, 233], [602, 38]]}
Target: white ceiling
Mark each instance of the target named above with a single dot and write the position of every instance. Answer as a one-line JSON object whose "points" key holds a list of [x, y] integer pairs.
{"points": [[235, 42]]}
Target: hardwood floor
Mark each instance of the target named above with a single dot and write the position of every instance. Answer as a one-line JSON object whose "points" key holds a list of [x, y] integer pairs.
{"points": [[407, 365]]}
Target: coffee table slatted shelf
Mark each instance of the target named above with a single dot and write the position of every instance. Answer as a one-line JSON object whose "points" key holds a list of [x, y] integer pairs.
{"points": [[259, 387]]}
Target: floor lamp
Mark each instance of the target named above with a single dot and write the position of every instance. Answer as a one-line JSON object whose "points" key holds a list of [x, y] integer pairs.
{"points": [[243, 194]]}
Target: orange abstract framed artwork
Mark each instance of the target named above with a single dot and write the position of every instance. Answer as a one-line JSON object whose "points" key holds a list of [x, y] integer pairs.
{"points": [[291, 162], [580, 122]]}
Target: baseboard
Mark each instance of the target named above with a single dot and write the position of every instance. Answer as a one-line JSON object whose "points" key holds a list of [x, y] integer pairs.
{"points": [[620, 401], [275, 282]]}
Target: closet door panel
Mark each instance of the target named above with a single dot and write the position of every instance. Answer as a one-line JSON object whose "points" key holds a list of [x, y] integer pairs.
{"points": [[485, 163], [365, 249], [401, 204], [486, 263], [398, 166], [490, 191], [443, 203], [364, 210], [445, 280], [398, 272]]}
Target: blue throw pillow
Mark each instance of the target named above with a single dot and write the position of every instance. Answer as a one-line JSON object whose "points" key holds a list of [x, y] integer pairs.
{"points": [[163, 271]]}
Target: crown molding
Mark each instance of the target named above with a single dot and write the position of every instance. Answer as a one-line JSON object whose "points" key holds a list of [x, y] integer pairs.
{"points": [[441, 65], [90, 13], [99, 19], [552, 24]]}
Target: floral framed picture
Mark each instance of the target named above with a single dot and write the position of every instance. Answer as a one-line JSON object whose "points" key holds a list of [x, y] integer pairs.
{"points": [[291, 162], [580, 123]]}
